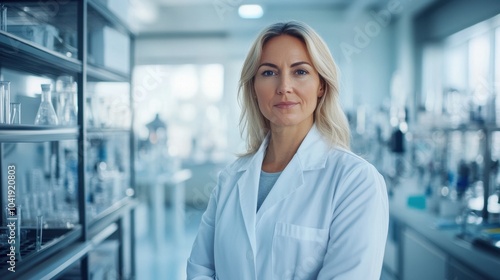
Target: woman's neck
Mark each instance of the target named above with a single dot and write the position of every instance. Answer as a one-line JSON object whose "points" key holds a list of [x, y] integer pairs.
{"points": [[283, 145]]}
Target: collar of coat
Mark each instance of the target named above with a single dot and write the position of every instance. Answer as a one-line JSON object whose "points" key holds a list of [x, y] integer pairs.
{"points": [[312, 153]]}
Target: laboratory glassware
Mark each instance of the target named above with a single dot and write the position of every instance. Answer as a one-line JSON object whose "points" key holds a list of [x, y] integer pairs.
{"points": [[3, 17], [46, 114], [4, 102], [66, 108], [15, 113], [39, 231]]}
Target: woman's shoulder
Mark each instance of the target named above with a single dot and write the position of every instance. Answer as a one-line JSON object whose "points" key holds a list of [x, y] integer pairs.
{"points": [[347, 155], [236, 165], [229, 174], [349, 160]]}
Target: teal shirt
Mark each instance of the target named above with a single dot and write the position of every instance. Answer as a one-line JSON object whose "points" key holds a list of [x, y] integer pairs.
{"points": [[266, 183]]}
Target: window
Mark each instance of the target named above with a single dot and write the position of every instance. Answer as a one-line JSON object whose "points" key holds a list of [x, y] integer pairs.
{"points": [[189, 100], [461, 75]]}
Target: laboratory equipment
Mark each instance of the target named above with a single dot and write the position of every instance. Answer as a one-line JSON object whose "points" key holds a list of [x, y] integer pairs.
{"points": [[66, 108], [39, 232], [15, 113], [3, 17], [46, 114], [4, 102]]}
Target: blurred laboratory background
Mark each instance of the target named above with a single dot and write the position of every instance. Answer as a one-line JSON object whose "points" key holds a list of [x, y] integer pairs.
{"points": [[117, 115]]}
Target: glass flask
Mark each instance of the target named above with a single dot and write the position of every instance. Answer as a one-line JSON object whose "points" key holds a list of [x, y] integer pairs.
{"points": [[66, 109], [46, 114]]}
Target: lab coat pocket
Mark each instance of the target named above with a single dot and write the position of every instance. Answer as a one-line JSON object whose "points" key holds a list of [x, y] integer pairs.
{"points": [[298, 251]]}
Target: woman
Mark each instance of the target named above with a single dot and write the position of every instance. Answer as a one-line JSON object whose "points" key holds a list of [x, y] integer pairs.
{"points": [[298, 204]]}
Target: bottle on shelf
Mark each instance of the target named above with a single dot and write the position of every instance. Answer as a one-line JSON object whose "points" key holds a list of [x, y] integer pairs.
{"points": [[46, 114]]}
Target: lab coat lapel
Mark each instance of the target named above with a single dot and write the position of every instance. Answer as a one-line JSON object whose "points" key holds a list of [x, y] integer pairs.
{"points": [[289, 181], [248, 186], [312, 154], [247, 190]]}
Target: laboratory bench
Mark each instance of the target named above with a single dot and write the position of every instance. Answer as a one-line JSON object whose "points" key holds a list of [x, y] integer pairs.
{"points": [[421, 246]]}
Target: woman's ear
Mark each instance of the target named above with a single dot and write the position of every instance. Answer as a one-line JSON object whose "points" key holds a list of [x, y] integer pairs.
{"points": [[321, 88]]}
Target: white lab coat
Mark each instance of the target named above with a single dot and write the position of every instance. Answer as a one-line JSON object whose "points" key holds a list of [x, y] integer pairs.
{"points": [[325, 218]]}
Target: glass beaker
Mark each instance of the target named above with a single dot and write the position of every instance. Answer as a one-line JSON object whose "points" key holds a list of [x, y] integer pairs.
{"points": [[15, 113], [4, 102], [46, 114]]}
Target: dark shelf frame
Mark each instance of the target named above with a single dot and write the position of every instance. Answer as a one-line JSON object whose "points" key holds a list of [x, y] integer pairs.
{"points": [[37, 59], [93, 132], [110, 215], [34, 260], [110, 17], [34, 133], [56, 264], [100, 73]]}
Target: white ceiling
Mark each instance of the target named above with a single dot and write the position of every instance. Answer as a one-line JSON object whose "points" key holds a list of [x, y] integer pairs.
{"points": [[219, 17]]}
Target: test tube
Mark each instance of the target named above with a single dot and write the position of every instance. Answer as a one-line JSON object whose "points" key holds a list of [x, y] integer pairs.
{"points": [[4, 102], [15, 113], [3, 17], [39, 231]]}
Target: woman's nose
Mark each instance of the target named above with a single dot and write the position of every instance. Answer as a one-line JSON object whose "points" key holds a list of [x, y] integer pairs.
{"points": [[284, 85]]}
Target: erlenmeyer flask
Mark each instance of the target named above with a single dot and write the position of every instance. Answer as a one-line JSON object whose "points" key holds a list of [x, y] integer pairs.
{"points": [[46, 114]]}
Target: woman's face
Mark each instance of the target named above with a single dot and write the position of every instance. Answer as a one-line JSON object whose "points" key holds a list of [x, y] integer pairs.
{"points": [[286, 84]]}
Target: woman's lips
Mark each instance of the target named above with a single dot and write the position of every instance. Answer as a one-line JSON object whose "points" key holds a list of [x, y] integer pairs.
{"points": [[285, 105]]}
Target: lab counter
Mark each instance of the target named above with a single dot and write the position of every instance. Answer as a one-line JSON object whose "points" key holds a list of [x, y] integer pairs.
{"points": [[420, 249]]}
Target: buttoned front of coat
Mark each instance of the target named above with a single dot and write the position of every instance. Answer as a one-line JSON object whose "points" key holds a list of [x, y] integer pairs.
{"points": [[326, 217]]}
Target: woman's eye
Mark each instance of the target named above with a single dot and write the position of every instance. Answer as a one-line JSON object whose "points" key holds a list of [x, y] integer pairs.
{"points": [[301, 72], [268, 73]]}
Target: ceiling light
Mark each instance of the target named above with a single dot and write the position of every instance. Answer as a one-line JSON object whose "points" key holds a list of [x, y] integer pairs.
{"points": [[250, 11]]}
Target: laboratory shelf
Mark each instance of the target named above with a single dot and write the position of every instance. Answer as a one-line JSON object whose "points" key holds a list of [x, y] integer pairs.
{"points": [[111, 215], [462, 127], [101, 73], [36, 133], [79, 45], [54, 240], [98, 132], [53, 266], [35, 58], [109, 16]]}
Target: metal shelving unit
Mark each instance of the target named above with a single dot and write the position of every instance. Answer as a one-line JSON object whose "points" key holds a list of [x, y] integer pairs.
{"points": [[66, 248], [95, 73], [36, 59], [33, 133]]}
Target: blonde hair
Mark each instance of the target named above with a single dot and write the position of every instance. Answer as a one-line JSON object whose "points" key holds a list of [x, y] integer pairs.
{"points": [[329, 116]]}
